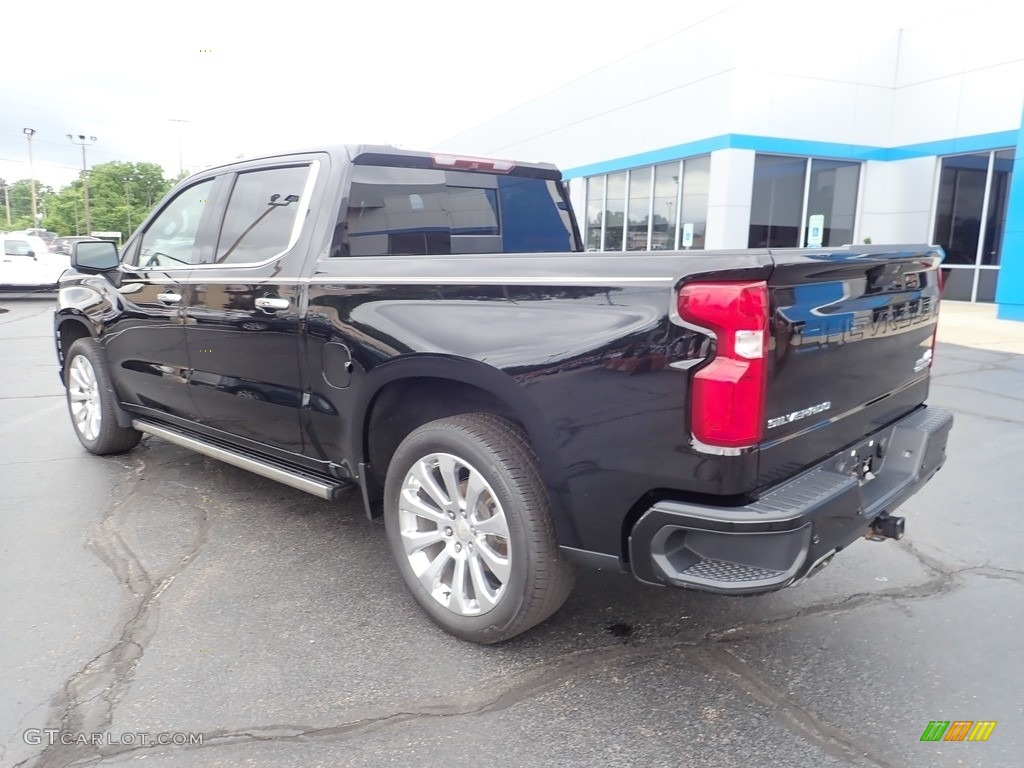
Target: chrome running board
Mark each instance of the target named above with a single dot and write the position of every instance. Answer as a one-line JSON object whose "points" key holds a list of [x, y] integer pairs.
{"points": [[303, 481]]}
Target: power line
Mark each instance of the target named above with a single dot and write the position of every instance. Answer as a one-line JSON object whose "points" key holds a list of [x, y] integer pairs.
{"points": [[46, 165]]}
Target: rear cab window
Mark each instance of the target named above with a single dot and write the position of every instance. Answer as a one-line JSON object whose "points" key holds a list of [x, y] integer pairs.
{"points": [[393, 211]]}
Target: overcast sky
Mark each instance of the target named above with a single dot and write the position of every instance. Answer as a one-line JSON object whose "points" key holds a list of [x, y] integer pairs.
{"points": [[254, 76]]}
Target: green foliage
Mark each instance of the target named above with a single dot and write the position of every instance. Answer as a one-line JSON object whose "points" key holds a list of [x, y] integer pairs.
{"points": [[20, 195], [120, 196]]}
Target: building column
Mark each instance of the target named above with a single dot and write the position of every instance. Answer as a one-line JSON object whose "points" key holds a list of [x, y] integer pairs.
{"points": [[730, 189], [1010, 290]]}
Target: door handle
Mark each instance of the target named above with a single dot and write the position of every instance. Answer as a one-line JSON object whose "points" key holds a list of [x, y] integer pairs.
{"points": [[169, 298], [270, 304]]}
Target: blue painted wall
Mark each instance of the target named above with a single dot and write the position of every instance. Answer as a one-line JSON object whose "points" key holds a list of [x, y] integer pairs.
{"points": [[1010, 289]]}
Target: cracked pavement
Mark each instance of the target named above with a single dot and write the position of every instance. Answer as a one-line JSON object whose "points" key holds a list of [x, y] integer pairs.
{"points": [[160, 592]]}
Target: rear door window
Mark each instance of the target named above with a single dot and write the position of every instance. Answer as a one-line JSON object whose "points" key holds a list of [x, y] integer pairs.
{"points": [[423, 211], [264, 215]]}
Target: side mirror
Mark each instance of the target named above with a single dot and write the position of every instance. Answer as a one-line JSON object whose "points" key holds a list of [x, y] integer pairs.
{"points": [[32, 255], [92, 257]]}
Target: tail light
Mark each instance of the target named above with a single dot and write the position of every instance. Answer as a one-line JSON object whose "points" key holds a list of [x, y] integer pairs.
{"points": [[728, 394], [941, 279]]}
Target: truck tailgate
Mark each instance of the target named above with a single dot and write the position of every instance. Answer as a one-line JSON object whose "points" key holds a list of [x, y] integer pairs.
{"points": [[852, 334]]}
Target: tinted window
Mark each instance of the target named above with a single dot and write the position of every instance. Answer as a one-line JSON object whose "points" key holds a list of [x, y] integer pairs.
{"points": [[595, 205], [696, 188], [615, 211], [637, 223], [833, 194], [665, 217], [170, 240], [777, 200], [261, 215], [421, 211]]}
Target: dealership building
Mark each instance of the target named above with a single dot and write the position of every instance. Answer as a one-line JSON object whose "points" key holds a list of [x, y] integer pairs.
{"points": [[897, 123]]}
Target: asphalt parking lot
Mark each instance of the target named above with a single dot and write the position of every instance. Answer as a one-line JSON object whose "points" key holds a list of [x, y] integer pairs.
{"points": [[161, 592]]}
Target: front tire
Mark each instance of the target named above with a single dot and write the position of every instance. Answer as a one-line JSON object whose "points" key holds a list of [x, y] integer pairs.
{"points": [[91, 402], [469, 524]]}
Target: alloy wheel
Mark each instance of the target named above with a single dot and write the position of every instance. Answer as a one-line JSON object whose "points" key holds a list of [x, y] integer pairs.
{"points": [[84, 397], [455, 534]]}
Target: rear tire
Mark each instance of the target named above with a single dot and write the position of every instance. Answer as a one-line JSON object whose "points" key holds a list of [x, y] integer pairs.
{"points": [[91, 402], [469, 524]]}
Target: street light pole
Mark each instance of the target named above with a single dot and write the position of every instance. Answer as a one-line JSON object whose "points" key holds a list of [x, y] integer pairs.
{"points": [[84, 141], [181, 164], [29, 133]]}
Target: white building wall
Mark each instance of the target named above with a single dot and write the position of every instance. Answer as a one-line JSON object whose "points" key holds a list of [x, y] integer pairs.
{"points": [[732, 179], [890, 74], [960, 73], [801, 78], [897, 201]]}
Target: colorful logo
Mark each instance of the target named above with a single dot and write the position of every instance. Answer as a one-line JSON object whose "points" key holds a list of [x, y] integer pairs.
{"points": [[958, 730]]}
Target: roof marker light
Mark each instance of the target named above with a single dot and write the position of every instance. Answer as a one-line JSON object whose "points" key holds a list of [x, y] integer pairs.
{"points": [[473, 163]]}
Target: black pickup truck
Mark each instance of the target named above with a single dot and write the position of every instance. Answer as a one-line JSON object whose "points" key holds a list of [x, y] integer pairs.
{"points": [[428, 330]]}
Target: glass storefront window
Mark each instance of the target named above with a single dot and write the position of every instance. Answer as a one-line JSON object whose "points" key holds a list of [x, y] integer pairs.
{"points": [[780, 210], [639, 209], [999, 195], [696, 183], [664, 214], [833, 194], [615, 211], [595, 208], [961, 197], [777, 201], [970, 215]]}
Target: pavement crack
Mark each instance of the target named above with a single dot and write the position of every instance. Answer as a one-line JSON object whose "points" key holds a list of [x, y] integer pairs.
{"points": [[733, 670], [536, 682], [86, 701]]}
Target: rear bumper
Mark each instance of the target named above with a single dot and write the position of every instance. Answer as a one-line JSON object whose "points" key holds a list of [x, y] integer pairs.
{"points": [[796, 527]]}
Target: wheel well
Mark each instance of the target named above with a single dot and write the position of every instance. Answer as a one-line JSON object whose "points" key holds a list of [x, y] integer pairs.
{"points": [[402, 406], [70, 331]]}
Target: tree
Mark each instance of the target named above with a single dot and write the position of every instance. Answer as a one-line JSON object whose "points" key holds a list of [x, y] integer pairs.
{"points": [[20, 195], [120, 196]]}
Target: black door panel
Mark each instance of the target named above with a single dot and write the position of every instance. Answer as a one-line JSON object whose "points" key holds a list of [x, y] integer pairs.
{"points": [[146, 343], [244, 317], [245, 374]]}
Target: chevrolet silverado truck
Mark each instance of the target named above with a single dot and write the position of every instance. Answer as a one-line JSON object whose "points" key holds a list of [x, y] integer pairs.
{"points": [[428, 331]]}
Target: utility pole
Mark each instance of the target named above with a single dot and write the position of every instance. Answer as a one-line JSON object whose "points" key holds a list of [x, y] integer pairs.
{"points": [[128, 203], [7, 201], [181, 165], [29, 133], [85, 141]]}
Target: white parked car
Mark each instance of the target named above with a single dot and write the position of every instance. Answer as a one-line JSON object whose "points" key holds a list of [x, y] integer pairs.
{"points": [[27, 264]]}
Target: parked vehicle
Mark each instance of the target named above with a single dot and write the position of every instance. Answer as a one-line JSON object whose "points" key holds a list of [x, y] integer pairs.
{"points": [[427, 329], [63, 244], [44, 234], [28, 265]]}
